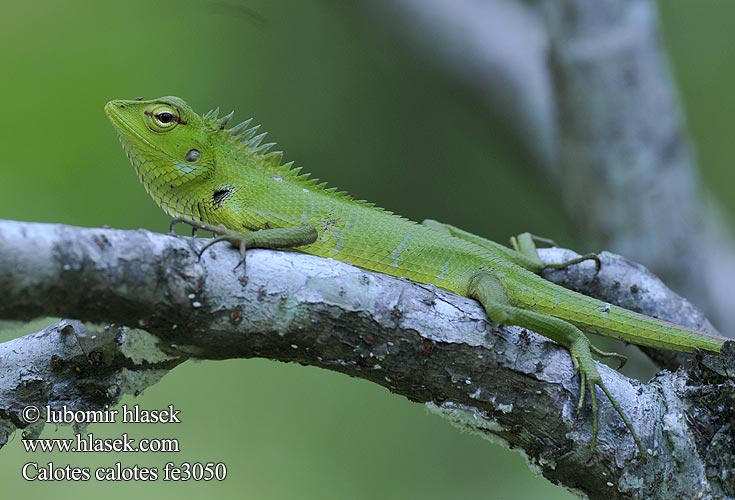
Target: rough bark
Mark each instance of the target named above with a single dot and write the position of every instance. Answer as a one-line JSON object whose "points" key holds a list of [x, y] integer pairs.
{"points": [[504, 383]]}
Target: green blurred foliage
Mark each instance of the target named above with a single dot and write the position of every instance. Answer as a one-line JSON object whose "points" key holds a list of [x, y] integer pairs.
{"points": [[372, 121]]}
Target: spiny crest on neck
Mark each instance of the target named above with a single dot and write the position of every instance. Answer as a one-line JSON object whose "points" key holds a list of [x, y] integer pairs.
{"points": [[245, 137], [242, 135]]}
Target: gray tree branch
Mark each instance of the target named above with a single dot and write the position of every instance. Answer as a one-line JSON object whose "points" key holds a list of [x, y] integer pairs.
{"points": [[504, 383], [587, 88]]}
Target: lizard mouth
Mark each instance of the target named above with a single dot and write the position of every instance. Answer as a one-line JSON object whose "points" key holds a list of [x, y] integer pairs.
{"points": [[112, 110]]}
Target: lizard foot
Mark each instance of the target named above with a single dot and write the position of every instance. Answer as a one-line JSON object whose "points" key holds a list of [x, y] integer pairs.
{"points": [[525, 243], [195, 225], [235, 238], [577, 260], [274, 238], [590, 379], [609, 355]]}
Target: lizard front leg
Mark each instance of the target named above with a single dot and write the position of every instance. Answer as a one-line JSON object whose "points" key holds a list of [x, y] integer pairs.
{"points": [[282, 237], [492, 294]]}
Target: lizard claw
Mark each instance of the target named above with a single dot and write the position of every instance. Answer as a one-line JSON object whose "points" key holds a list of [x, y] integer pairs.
{"points": [[243, 253], [213, 241], [575, 364], [174, 221], [582, 391]]}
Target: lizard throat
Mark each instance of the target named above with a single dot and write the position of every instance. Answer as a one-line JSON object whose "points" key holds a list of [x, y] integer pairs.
{"points": [[162, 180]]}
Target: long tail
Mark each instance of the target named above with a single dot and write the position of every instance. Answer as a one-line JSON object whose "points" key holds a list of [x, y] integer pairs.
{"points": [[612, 321], [594, 316], [629, 326]]}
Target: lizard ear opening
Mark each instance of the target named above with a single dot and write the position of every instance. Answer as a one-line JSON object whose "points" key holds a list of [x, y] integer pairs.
{"points": [[193, 155]]}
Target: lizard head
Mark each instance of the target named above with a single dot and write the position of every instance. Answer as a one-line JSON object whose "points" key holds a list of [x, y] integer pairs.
{"points": [[184, 159], [168, 144]]}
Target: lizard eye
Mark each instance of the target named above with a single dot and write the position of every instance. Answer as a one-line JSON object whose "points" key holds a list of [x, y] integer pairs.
{"points": [[161, 118], [165, 117]]}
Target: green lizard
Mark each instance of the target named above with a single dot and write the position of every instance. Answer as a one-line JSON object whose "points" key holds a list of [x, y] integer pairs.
{"points": [[226, 181]]}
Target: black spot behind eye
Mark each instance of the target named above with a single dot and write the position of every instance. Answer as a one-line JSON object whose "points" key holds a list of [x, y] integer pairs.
{"points": [[220, 195]]}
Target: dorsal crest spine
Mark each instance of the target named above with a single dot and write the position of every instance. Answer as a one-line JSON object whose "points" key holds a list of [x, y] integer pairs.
{"points": [[246, 138]]}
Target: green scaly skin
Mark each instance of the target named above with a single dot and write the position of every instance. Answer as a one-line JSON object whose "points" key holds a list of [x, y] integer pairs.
{"points": [[224, 180]]}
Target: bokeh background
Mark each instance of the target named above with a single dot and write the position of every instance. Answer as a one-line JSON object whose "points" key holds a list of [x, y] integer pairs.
{"points": [[375, 122]]}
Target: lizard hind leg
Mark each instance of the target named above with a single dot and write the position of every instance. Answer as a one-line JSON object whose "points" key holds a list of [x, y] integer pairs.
{"points": [[531, 263], [492, 294], [525, 243]]}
